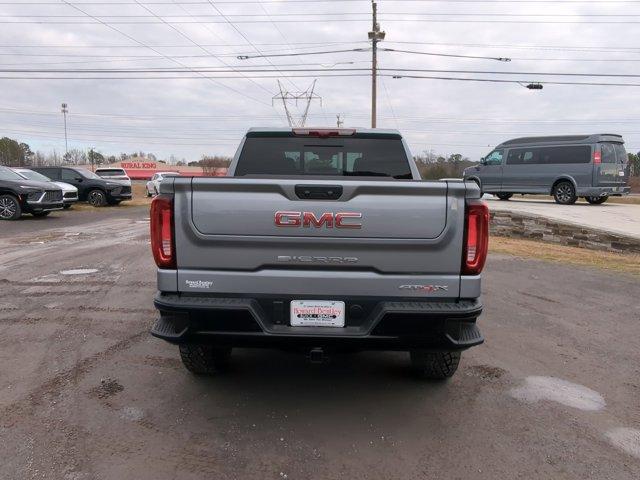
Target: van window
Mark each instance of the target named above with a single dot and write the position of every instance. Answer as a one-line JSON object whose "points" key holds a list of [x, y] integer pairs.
{"points": [[621, 153], [561, 155], [549, 155], [522, 156], [608, 153], [494, 158]]}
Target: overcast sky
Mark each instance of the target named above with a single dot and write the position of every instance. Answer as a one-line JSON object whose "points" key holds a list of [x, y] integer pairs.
{"points": [[194, 116]]}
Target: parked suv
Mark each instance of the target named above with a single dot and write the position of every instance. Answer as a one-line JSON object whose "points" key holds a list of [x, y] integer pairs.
{"points": [[91, 188], [116, 174], [591, 166], [69, 192], [18, 196]]}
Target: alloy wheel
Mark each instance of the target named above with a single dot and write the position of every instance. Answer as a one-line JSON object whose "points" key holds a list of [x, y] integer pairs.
{"points": [[564, 193], [7, 208], [96, 198]]}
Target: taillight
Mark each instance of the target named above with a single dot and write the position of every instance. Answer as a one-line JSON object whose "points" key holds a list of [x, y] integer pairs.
{"points": [[597, 157], [476, 242], [162, 231]]}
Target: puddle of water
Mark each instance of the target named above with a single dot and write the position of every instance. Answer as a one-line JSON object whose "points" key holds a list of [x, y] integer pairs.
{"points": [[79, 271], [132, 413], [627, 439], [560, 391]]}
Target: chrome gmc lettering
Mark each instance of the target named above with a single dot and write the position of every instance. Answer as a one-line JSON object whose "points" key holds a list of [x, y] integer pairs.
{"points": [[327, 219]]}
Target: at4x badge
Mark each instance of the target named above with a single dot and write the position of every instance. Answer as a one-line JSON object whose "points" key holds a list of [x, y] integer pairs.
{"points": [[425, 288]]}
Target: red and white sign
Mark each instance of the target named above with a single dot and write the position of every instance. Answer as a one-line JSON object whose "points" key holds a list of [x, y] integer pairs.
{"points": [[139, 165]]}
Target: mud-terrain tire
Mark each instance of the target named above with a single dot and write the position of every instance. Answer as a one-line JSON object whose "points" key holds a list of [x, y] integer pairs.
{"points": [[205, 359], [434, 365]]}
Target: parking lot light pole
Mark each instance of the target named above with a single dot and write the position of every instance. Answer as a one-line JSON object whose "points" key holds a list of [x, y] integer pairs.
{"points": [[65, 110]]}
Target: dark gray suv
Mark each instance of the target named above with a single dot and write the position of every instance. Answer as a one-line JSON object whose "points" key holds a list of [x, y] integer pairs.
{"points": [[567, 167]]}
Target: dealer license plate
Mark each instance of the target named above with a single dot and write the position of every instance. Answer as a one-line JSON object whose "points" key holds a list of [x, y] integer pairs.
{"points": [[317, 313]]}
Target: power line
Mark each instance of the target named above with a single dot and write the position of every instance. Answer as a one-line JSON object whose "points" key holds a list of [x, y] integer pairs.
{"points": [[218, 70], [133, 39], [485, 80], [235, 27], [332, 14], [184, 35], [235, 2], [303, 20]]}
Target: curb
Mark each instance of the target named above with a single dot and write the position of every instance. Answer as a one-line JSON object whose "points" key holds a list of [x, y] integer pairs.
{"points": [[537, 227]]}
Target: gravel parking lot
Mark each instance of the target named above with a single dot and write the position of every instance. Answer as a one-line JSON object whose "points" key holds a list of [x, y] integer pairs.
{"points": [[87, 393]]}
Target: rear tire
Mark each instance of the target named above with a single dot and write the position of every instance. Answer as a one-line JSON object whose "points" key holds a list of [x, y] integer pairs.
{"points": [[202, 359], [434, 365], [40, 214], [67, 206], [9, 208], [596, 200], [564, 193], [148, 193], [504, 196]]}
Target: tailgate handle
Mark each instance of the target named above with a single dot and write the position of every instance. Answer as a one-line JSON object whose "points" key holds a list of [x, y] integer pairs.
{"points": [[319, 192]]}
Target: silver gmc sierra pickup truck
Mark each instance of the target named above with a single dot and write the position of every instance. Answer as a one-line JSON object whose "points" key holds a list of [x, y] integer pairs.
{"points": [[319, 240]]}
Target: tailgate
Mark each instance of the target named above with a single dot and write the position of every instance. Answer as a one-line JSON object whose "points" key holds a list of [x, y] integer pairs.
{"points": [[380, 210], [253, 225], [403, 238]]}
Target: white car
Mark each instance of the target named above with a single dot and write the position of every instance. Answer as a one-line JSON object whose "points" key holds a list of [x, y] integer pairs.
{"points": [[118, 175], [69, 192], [153, 185]]}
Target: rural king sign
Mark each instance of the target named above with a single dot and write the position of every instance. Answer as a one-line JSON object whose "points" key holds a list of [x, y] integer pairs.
{"points": [[139, 165]]}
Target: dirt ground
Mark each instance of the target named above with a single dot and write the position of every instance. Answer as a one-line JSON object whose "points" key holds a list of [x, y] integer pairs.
{"points": [[87, 393]]}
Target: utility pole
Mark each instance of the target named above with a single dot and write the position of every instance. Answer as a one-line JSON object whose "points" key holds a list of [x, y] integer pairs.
{"points": [[375, 35], [65, 110]]}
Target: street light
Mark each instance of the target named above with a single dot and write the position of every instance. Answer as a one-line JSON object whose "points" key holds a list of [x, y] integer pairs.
{"points": [[65, 110]]}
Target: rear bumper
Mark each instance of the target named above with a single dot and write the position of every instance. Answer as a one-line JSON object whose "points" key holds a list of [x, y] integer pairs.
{"points": [[603, 191], [371, 324]]}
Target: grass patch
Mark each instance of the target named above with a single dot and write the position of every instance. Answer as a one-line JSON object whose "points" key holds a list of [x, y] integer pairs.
{"points": [[619, 262]]}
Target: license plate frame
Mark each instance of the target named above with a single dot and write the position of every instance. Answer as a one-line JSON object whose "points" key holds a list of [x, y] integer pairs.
{"points": [[317, 313]]}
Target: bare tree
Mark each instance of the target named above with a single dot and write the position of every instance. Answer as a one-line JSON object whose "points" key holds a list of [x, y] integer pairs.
{"points": [[209, 164]]}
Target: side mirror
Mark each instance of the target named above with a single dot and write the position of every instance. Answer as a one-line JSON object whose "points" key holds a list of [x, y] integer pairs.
{"points": [[483, 161], [78, 179]]}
